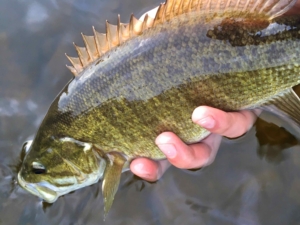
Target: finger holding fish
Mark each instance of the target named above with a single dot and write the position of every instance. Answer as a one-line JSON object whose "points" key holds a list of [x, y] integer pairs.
{"points": [[188, 156], [231, 124], [148, 169], [220, 123]]}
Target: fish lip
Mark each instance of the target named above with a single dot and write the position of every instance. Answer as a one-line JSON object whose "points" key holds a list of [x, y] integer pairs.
{"points": [[32, 188], [27, 186]]}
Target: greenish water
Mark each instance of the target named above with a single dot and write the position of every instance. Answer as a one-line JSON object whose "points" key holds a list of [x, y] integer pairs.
{"points": [[254, 179]]}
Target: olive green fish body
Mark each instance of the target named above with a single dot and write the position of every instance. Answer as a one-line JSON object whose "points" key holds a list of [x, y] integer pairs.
{"points": [[152, 83]]}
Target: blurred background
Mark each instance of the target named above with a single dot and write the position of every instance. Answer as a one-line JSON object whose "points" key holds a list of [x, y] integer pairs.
{"points": [[254, 180]]}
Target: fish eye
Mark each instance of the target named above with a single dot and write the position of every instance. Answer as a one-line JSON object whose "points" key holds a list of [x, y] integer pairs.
{"points": [[38, 168]]}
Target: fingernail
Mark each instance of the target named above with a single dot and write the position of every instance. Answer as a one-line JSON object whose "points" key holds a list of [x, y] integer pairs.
{"points": [[207, 122], [169, 150]]}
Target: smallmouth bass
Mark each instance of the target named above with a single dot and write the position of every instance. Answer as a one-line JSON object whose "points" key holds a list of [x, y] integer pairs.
{"points": [[147, 77]]}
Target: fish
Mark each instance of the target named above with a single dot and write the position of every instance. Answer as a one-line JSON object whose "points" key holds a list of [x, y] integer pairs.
{"points": [[145, 77]]}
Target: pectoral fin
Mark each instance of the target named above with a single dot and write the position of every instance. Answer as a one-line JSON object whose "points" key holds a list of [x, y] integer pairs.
{"points": [[287, 104], [114, 165]]}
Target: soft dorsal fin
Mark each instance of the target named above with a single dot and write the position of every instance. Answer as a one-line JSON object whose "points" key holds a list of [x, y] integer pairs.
{"points": [[100, 43], [286, 104]]}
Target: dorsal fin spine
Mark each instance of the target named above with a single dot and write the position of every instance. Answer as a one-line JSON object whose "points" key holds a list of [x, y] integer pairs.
{"points": [[184, 7], [131, 26], [263, 6], [97, 42], [108, 35], [144, 26], [158, 16], [83, 55], [112, 35], [168, 10], [77, 66], [72, 69], [237, 5], [245, 6], [90, 45], [86, 45], [119, 29]]}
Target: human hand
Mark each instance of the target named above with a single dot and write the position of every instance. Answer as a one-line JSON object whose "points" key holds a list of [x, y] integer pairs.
{"points": [[219, 123]]}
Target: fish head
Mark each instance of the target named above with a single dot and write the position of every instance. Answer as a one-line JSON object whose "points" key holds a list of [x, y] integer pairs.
{"points": [[57, 166]]}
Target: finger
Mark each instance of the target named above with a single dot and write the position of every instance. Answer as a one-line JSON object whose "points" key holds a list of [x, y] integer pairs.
{"points": [[212, 142], [231, 124], [148, 169], [188, 156]]}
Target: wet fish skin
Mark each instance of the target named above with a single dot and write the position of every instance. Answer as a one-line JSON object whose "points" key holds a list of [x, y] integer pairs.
{"points": [[152, 84], [148, 75]]}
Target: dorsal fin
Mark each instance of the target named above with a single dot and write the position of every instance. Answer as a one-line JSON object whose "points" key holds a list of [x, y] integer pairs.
{"points": [[100, 43], [286, 104]]}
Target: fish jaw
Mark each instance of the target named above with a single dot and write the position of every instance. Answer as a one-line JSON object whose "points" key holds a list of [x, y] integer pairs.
{"points": [[50, 193], [47, 194]]}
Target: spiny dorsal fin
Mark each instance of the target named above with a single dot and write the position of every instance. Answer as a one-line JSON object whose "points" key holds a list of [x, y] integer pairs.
{"points": [[99, 44]]}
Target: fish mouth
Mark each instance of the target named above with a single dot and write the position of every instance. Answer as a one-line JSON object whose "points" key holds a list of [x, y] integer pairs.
{"points": [[41, 190], [50, 193]]}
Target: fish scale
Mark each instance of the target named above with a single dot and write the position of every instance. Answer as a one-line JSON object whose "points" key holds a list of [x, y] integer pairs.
{"points": [[159, 87]]}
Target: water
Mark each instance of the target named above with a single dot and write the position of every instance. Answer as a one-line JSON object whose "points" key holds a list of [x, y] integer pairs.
{"points": [[254, 179]]}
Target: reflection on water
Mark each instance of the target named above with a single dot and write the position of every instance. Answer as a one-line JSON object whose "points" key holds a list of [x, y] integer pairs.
{"points": [[273, 140], [254, 180]]}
